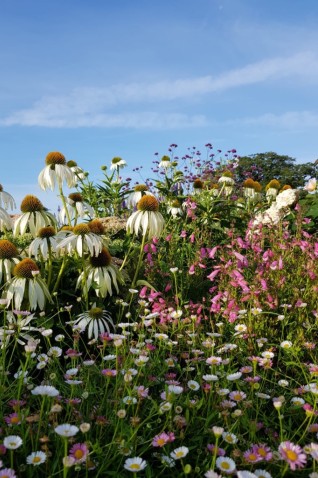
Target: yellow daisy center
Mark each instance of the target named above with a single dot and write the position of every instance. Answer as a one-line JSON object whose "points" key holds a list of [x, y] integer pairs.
{"points": [[291, 455], [78, 454], [36, 459]]}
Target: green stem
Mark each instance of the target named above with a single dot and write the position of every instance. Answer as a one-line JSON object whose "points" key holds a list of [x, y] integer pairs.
{"points": [[139, 261], [64, 205]]}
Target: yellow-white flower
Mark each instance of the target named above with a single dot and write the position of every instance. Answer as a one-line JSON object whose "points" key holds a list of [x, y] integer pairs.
{"points": [[34, 217], [8, 259], [27, 284], [76, 207], [147, 218], [135, 464], [6, 199], [100, 274], [55, 172], [81, 240]]}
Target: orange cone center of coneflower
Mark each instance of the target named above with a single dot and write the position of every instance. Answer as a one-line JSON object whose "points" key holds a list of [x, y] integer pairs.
{"points": [[96, 313], [55, 158], [67, 228], [44, 232], [76, 197], [148, 203], [25, 268], [176, 203], [81, 229], [257, 186], [273, 184], [31, 204], [96, 226], [140, 188], [102, 260], [249, 183], [116, 160], [165, 159], [7, 249], [198, 184]]}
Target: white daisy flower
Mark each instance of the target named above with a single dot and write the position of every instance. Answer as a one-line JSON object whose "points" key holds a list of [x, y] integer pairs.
{"points": [[55, 172], [135, 464], [210, 378], [245, 474], [225, 464], [262, 474], [36, 458], [12, 442], [179, 453], [66, 430], [286, 344], [234, 376], [45, 390], [229, 437], [147, 219], [193, 385]]}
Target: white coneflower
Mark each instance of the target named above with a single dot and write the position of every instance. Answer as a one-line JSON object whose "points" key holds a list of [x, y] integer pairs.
{"points": [[79, 173], [5, 220], [165, 162], [6, 199], [311, 185], [20, 327], [227, 182], [36, 458], [8, 259], [44, 244], [27, 282], [45, 390], [135, 464], [139, 191], [95, 320], [179, 453], [225, 464], [81, 240], [101, 274], [34, 217], [12, 442], [198, 186], [66, 430], [75, 207], [272, 189], [147, 219], [175, 208], [55, 172], [117, 163]]}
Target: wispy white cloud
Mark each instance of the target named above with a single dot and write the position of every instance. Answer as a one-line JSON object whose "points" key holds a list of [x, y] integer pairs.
{"points": [[94, 107], [290, 120]]}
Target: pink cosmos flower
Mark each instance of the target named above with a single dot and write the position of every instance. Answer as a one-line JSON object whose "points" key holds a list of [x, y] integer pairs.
{"points": [[292, 454]]}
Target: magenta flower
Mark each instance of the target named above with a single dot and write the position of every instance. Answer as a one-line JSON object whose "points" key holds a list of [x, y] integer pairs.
{"points": [[292, 454], [79, 452], [162, 439]]}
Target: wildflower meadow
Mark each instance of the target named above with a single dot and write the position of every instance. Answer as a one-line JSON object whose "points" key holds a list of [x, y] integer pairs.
{"points": [[161, 328]]}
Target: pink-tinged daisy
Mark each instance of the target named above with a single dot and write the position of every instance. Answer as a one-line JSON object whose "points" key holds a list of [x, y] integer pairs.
{"points": [[237, 395], [36, 458], [55, 172], [79, 452], [251, 456], [292, 454], [163, 438], [13, 419], [179, 453], [135, 464], [7, 473], [225, 464], [263, 451]]}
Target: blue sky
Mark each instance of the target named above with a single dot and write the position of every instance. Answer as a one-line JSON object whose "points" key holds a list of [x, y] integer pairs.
{"points": [[96, 79]]}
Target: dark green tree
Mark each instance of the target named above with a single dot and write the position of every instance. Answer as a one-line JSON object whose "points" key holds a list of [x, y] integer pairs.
{"points": [[263, 167]]}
